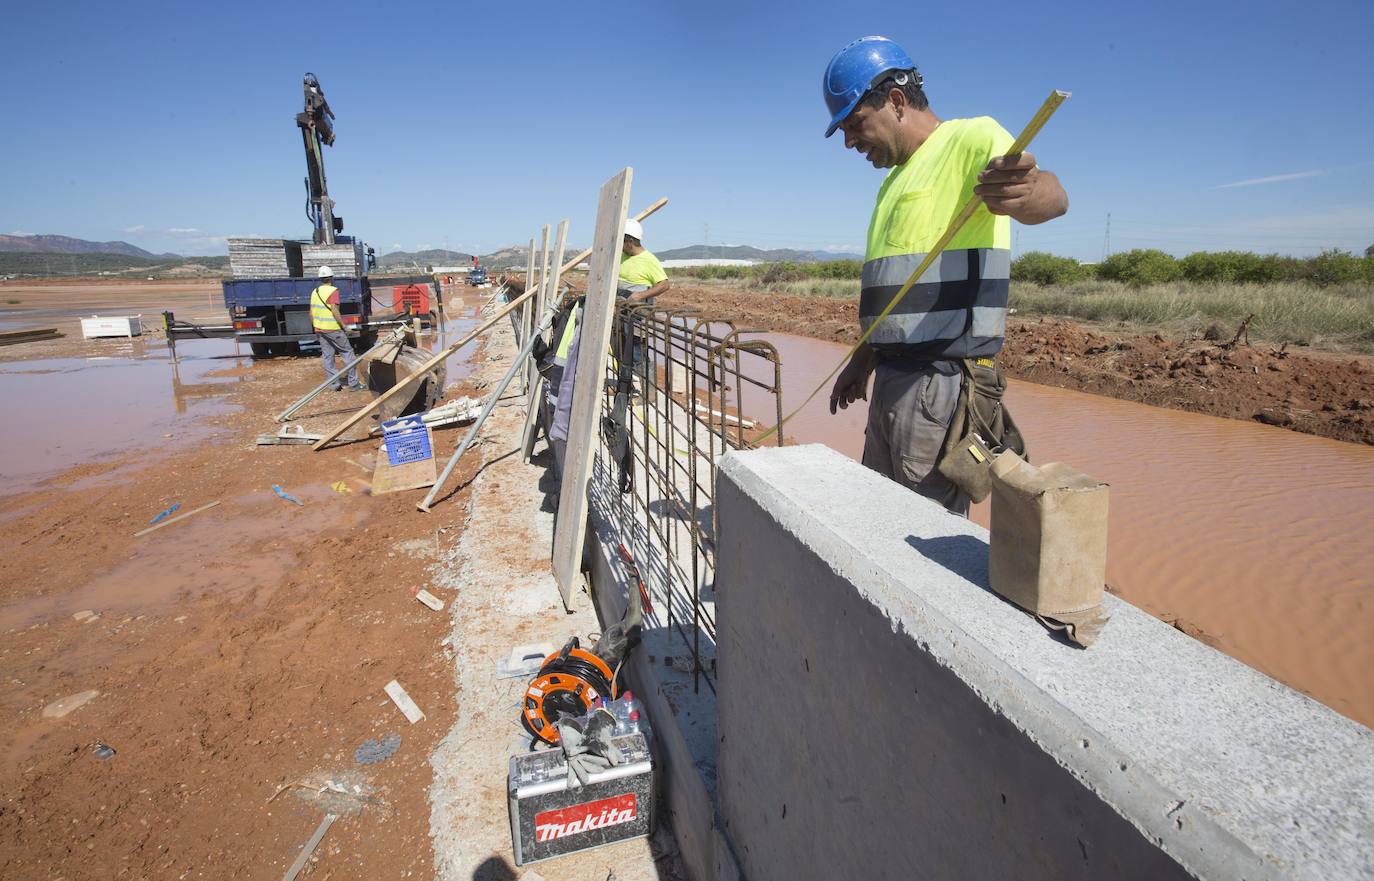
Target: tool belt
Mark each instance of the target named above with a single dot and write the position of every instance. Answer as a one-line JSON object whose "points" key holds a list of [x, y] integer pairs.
{"points": [[980, 429]]}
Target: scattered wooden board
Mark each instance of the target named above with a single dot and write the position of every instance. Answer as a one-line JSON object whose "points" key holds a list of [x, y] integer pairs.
{"points": [[595, 330], [403, 702], [171, 520], [430, 600], [309, 848], [388, 478], [28, 335]]}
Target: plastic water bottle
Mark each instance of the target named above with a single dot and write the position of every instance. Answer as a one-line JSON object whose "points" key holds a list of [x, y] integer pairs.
{"points": [[620, 708]]}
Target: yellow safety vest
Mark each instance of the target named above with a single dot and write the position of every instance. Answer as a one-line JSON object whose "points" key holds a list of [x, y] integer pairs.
{"points": [[958, 307], [320, 315]]}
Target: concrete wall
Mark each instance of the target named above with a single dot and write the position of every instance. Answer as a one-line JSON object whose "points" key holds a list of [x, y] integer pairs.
{"points": [[881, 714]]}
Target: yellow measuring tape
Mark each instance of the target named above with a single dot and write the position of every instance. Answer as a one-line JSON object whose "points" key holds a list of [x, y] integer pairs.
{"points": [[1022, 141]]}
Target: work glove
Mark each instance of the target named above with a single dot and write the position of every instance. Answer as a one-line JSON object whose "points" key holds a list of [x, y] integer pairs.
{"points": [[589, 749]]}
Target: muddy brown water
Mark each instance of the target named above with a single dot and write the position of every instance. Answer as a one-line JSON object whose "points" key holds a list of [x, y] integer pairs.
{"points": [[1253, 538], [129, 394]]}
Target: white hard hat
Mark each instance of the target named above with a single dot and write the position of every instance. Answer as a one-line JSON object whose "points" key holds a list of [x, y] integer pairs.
{"points": [[633, 229], [326, 272]]}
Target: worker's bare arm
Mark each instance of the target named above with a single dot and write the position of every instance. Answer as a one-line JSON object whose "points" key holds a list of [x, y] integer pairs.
{"points": [[1015, 186], [660, 288]]}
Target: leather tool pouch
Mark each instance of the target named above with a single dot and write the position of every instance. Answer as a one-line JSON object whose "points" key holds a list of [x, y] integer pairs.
{"points": [[981, 428]]}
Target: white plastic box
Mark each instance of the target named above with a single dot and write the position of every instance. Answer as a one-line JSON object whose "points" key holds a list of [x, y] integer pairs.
{"points": [[118, 325]]}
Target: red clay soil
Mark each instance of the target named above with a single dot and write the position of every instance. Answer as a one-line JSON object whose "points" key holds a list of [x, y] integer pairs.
{"points": [[242, 650], [1313, 392]]}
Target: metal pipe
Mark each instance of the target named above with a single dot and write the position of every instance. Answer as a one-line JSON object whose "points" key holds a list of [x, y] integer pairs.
{"points": [[515, 369]]}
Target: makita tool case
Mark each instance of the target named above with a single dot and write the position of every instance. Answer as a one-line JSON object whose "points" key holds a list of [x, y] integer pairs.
{"points": [[547, 819]]}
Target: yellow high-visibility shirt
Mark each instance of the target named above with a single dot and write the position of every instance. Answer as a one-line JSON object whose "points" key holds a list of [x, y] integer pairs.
{"points": [[320, 316], [640, 272], [958, 308]]}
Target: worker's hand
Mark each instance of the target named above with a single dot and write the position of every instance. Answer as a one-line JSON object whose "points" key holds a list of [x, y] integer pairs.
{"points": [[1008, 183], [852, 383]]}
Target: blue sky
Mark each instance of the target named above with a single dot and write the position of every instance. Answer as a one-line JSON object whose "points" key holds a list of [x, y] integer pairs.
{"points": [[1197, 126]]}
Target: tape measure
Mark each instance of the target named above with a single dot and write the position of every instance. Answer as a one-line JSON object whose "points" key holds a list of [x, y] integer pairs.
{"points": [[1022, 141]]}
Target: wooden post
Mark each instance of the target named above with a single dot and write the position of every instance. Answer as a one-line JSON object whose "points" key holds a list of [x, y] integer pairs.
{"points": [[595, 330], [537, 305], [526, 313], [534, 404]]}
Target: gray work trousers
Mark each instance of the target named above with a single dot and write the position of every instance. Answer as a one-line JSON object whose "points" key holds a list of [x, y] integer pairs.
{"points": [[334, 342], [909, 411]]}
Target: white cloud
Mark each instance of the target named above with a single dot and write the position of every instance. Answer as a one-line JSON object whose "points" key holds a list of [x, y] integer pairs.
{"points": [[1272, 179], [134, 230], [183, 231]]}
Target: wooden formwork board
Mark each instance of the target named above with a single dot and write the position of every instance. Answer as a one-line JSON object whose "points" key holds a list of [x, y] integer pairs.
{"points": [[388, 478], [595, 330], [534, 404]]}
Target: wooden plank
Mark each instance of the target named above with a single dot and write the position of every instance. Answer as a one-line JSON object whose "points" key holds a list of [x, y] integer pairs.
{"points": [[429, 365], [595, 330], [172, 520], [583, 255], [538, 306], [534, 402], [29, 335], [527, 312], [309, 848], [388, 478], [405, 381], [403, 702]]}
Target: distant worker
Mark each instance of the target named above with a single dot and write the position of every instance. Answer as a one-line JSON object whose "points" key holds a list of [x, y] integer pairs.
{"points": [[328, 324], [641, 275], [641, 279], [952, 321]]}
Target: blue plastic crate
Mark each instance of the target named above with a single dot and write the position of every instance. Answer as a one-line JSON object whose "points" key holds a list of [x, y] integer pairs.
{"points": [[406, 440]]}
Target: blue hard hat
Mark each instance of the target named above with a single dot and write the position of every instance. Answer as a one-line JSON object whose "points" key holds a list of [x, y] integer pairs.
{"points": [[854, 70]]}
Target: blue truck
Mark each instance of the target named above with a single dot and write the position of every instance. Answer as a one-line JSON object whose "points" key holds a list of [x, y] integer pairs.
{"points": [[272, 315]]}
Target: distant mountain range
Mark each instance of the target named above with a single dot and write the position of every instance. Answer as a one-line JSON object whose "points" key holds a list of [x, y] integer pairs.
{"points": [[69, 245], [27, 254], [432, 257], [517, 256], [748, 252]]}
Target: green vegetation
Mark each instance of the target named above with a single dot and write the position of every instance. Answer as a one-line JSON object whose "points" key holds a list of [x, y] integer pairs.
{"points": [[47, 265], [1148, 266], [1333, 316], [1325, 301]]}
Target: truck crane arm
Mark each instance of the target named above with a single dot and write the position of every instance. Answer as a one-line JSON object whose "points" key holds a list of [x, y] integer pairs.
{"points": [[317, 132]]}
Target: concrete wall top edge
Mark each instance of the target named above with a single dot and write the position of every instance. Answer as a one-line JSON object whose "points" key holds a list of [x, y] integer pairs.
{"points": [[1290, 778]]}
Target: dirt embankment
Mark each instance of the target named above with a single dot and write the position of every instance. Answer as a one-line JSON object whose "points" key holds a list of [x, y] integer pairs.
{"points": [[1313, 392], [242, 650]]}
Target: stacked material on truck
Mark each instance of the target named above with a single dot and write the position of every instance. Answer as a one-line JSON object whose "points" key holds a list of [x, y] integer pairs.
{"points": [[264, 258], [343, 258]]}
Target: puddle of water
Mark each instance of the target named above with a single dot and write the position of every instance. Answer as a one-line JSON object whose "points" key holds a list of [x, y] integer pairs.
{"points": [[241, 546], [66, 411], [1257, 535]]}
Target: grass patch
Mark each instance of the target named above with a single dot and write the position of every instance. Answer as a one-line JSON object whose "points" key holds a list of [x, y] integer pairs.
{"points": [[1338, 316], [13, 302]]}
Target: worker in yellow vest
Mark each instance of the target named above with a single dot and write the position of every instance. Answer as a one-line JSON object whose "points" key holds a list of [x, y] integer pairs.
{"points": [[328, 324], [951, 323]]}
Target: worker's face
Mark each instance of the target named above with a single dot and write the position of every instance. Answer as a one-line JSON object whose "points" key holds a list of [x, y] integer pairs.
{"points": [[872, 131]]}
